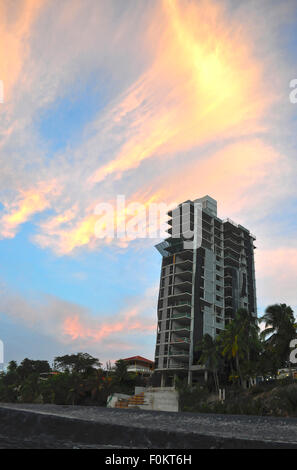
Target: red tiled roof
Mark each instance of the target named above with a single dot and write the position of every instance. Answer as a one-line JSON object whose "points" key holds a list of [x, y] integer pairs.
{"points": [[138, 358]]}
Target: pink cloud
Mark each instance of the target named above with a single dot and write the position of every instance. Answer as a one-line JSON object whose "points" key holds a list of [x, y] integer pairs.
{"points": [[276, 271], [75, 326]]}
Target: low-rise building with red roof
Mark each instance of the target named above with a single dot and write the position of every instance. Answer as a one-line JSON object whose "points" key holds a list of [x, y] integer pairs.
{"points": [[140, 365]]}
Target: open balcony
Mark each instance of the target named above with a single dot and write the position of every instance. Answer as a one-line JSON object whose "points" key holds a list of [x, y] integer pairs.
{"points": [[184, 275], [181, 330], [231, 260], [182, 318], [179, 296], [178, 365], [179, 354], [235, 243], [180, 341], [184, 264], [183, 306], [204, 300], [183, 286]]}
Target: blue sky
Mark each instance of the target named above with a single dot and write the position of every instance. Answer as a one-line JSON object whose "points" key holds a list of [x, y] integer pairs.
{"points": [[62, 124], [103, 100]]}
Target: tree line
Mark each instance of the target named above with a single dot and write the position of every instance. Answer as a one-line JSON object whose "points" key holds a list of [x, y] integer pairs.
{"points": [[77, 379]]}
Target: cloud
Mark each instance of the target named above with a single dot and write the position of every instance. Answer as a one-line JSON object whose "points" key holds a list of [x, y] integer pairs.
{"points": [[71, 324], [191, 88], [241, 175], [197, 89], [127, 323], [276, 275], [233, 174], [29, 203], [16, 20], [195, 102]]}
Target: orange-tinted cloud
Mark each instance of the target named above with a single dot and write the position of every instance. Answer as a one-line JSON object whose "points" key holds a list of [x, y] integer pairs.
{"points": [[16, 19], [235, 175], [66, 232], [281, 260], [204, 84], [73, 325], [77, 329], [28, 203], [239, 176], [276, 271]]}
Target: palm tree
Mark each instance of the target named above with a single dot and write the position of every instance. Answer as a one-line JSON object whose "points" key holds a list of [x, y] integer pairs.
{"points": [[229, 345], [210, 357], [249, 341], [248, 330], [280, 329], [240, 340]]}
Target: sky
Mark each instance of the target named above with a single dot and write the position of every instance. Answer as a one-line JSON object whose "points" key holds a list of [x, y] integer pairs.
{"points": [[157, 102]]}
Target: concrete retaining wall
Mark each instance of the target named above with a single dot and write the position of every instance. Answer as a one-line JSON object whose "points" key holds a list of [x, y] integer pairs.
{"points": [[162, 399], [145, 429]]}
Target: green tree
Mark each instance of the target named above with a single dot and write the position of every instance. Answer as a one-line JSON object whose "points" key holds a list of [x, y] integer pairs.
{"points": [[280, 329], [249, 342], [12, 367], [61, 389], [240, 344], [9, 386], [121, 374], [29, 391], [210, 357], [81, 363], [29, 367]]}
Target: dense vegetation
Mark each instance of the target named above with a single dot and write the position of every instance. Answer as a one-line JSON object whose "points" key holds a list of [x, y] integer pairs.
{"points": [[77, 379], [241, 352], [239, 355], [273, 398]]}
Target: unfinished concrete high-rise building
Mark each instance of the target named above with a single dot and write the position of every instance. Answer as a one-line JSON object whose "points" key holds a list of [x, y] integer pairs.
{"points": [[207, 274]]}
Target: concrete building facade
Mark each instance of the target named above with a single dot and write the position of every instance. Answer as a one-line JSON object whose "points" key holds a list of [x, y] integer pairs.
{"points": [[207, 274]]}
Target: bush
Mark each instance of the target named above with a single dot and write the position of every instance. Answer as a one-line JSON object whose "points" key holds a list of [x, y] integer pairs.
{"points": [[192, 398], [284, 401]]}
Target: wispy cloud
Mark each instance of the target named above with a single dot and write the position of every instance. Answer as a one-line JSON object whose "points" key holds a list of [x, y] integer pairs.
{"points": [[193, 92], [198, 87], [195, 102], [277, 274], [16, 23], [70, 323], [29, 203]]}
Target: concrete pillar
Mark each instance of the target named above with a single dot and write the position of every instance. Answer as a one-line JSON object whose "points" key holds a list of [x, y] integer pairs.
{"points": [[174, 380], [162, 380], [190, 378], [205, 376]]}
